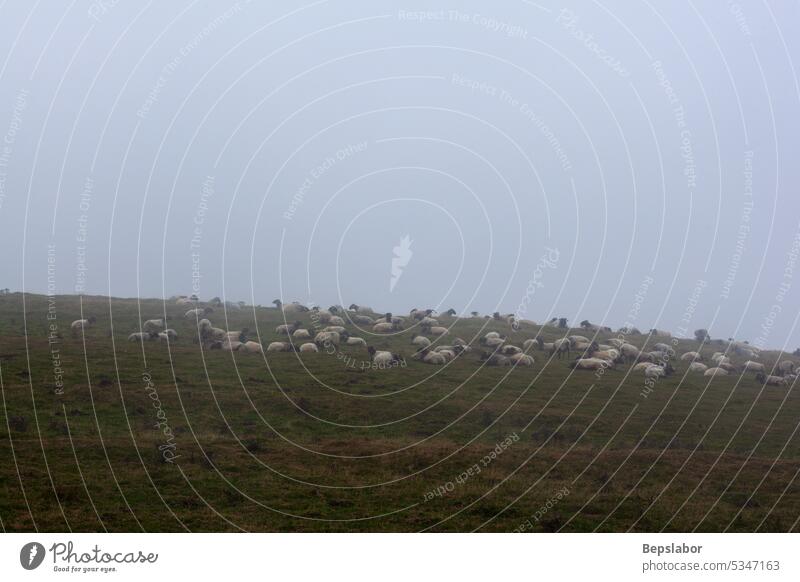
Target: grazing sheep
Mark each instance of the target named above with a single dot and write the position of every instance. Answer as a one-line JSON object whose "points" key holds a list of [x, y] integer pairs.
{"points": [[301, 334], [594, 364], [143, 336], [666, 348], [528, 344], [356, 341], [785, 367], [751, 366], [198, 312], [327, 338], [560, 347], [168, 335], [309, 347], [294, 307], [630, 352], [770, 380], [279, 347], [692, 357], [421, 341], [697, 367], [642, 366], [522, 360], [336, 320], [154, 325], [82, 324], [288, 328], [713, 372], [492, 335], [656, 371]]}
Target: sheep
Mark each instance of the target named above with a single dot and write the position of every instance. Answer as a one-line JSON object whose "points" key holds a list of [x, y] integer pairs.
{"points": [[436, 358], [360, 308], [143, 336], [288, 328], [336, 320], [384, 327], [590, 364], [751, 366], [327, 338], [713, 372], [428, 321], [576, 339], [309, 347], [419, 314], [336, 328], [301, 334], [785, 367], [279, 347], [362, 320], [82, 324], [560, 347], [692, 356], [168, 335], [240, 336], [438, 331], [642, 366], [251, 347], [528, 344], [198, 312], [421, 341], [294, 307], [659, 333], [616, 342], [491, 335], [356, 341], [697, 367], [383, 358], [593, 327], [495, 359], [656, 371], [459, 342], [510, 350], [191, 299], [154, 325], [629, 331], [610, 355], [770, 380], [522, 359], [492, 342], [727, 366], [630, 352], [666, 348]]}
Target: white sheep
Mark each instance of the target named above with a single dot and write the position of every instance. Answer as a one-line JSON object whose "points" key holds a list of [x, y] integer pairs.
{"points": [[491, 335], [714, 372], [428, 321], [771, 380], [384, 327], [326, 338], [336, 320], [168, 335], [438, 331], [82, 324], [143, 336], [691, 356], [522, 359], [301, 334], [251, 347], [198, 312], [337, 328], [697, 367], [751, 366], [356, 341], [287, 328], [421, 341], [590, 364], [309, 347], [435, 358], [279, 347], [154, 325]]}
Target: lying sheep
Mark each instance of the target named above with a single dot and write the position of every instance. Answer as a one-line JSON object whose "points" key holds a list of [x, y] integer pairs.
{"points": [[429, 321], [521, 359], [713, 372], [356, 341], [509, 350], [659, 333], [309, 347], [436, 358], [82, 324], [697, 367], [629, 352], [383, 358], [594, 364], [251, 347], [293, 307], [770, 380], [337, 328], [492, 334], [491, 342], [692, 357], [495, 359], [385, 327], [421, 341], [168, 335], [327, 338], [336, 320], [438, 331]]}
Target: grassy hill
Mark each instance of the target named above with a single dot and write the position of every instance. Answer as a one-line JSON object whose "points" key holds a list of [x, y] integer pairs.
{"points": [[174, 438]]}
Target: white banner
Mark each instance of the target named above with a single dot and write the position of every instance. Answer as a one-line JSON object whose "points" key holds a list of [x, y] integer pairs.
{"points": [[401, 557]]}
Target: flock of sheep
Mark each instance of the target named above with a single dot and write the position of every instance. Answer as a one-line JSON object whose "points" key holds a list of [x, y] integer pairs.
{"points": [[328, 329]]}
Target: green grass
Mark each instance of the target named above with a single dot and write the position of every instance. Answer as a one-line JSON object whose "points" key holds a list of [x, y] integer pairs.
{"points": [[276, 446]]}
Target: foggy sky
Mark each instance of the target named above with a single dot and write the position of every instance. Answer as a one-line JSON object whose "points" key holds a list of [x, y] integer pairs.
{"points": [[618, 162]]}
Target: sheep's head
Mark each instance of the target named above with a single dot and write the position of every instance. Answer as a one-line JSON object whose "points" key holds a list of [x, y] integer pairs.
{"points": [[451, 312], [353, 307], [562, 322], [277, 303], [371, 350], [585, 323]]}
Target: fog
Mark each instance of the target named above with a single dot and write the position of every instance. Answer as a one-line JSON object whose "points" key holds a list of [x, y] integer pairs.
{"points": [[626, 164]]}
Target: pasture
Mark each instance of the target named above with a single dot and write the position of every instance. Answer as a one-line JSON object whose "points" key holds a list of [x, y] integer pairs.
{"points": [[171, 437]]}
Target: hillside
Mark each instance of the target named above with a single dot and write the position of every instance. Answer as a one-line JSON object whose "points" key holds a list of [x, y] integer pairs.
{"points": [[171, 437]]}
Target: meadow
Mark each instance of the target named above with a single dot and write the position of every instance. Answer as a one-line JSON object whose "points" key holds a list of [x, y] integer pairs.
{"points": [[171, 437]]}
